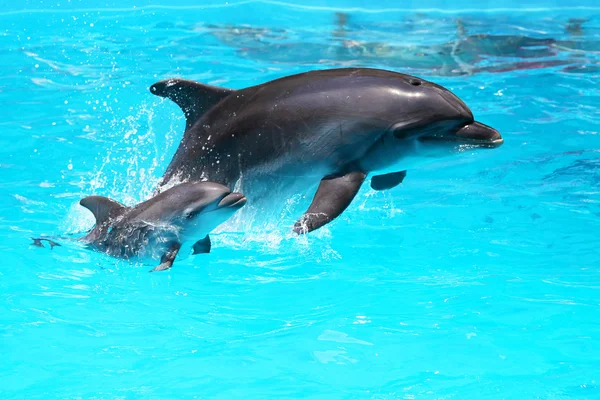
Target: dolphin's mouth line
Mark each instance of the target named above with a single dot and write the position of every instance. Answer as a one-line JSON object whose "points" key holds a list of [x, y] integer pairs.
{"points": [[232, 200], [238, 203], [463, 140], [473, 133]]}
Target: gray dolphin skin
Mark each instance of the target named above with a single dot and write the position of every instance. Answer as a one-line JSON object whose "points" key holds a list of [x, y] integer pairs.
{"points": [[327, 127], [159, 228]]}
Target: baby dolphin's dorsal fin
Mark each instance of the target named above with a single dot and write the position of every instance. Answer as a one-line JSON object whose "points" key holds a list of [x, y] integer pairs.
{"points": [[194, 98], [103, 208]]}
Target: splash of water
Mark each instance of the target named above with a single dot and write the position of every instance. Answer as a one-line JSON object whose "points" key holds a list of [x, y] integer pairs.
{"points": [[128, 169]]}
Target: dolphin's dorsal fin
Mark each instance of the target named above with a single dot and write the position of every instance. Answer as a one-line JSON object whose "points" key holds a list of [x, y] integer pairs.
{"points": [[194, 98], [103, 208]]}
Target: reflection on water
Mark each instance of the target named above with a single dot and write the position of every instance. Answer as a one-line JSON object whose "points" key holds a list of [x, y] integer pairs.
{"points": [[416, 45]]}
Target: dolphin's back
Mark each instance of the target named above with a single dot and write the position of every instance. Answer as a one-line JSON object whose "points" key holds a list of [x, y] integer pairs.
{"points": [[295, 120], [135, 239]]}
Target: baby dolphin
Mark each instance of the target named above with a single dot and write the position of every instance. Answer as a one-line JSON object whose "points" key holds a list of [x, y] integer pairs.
{"points": [[158, 228]]}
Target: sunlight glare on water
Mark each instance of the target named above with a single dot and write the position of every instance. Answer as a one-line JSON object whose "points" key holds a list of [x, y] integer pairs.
{"points": [[477, 278]]}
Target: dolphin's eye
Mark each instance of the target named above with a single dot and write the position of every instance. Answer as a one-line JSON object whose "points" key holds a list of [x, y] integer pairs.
{"points": [[415, 82], [189, 213]]}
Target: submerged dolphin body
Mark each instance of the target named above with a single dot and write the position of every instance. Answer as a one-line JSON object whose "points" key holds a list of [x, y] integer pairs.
{"points": [[334, 126], [465, 54], [158, 228]]}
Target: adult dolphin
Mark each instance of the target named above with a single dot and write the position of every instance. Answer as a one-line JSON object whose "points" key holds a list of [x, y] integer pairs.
{"points": [[334, 126]]}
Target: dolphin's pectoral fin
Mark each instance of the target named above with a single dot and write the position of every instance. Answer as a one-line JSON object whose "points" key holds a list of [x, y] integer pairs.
{"points": [[202, 246], [333, 196], [194, 98], [166, 261], [103, 208], [38, 242], [387, 181]]}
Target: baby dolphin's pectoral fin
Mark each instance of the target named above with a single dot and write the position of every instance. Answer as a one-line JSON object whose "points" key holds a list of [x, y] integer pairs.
{"points": [[166, 261], [333, 196], [387, 181], [202, 246]]}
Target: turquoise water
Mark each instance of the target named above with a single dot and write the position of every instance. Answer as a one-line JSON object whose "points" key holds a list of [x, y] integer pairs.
{"points": [[477, 278]]}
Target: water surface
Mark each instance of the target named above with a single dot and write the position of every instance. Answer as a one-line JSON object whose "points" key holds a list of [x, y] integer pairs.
{"points": [[477, 278]]}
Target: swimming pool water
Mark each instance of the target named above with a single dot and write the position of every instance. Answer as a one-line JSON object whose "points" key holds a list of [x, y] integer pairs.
{"points": [[477, 278]]}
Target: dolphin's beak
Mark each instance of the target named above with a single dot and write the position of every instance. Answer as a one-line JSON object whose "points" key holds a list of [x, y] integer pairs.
{"points": [[479, 134], [232, 200], [474, 133]]}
